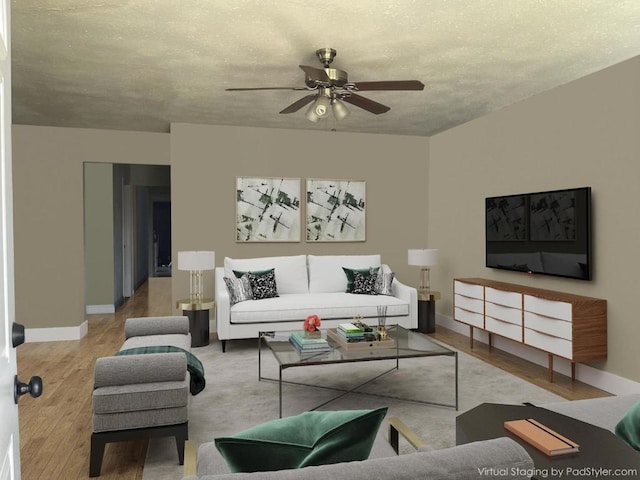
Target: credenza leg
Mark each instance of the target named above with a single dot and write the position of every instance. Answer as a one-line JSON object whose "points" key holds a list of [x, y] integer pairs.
{"points": [[573, 371], [470, 337], [550, 368]]}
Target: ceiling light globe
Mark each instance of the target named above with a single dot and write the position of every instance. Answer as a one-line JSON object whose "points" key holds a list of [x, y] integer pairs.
{"points": [[340, 110]]}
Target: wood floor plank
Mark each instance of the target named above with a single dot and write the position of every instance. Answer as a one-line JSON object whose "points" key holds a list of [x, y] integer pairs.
{"points": [[55, 429]]}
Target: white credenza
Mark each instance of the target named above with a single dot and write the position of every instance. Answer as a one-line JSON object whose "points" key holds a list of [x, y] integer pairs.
{"points": [[561, 324]]}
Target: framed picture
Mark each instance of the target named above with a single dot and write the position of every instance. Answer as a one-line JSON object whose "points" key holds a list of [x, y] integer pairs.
{"points": [[267, 209], [336, 211]]}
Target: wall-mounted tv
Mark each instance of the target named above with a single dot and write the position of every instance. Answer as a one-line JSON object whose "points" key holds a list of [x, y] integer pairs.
{"points": [[543, 232]]}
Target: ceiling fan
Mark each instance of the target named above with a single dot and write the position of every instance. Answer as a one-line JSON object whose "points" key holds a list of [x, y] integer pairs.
{"points": [[331, 88]]}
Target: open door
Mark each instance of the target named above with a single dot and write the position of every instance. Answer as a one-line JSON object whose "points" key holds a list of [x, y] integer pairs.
{"points": [[9, 431]]}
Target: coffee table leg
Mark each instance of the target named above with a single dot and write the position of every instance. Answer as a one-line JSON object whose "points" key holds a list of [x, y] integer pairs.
{"points": [[280, 391], [259, 357], [456, 355]]}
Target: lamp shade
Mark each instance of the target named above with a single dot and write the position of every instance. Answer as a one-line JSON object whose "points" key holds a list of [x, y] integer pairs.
{"points": [[423, 257], [200, 260]]}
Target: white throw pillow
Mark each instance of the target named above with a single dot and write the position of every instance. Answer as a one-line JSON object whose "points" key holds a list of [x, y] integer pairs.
{"points": [[326, 274], [290, 271]]}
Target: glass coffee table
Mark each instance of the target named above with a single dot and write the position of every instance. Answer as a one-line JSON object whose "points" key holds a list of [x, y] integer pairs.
{"points": [[406, 344]]}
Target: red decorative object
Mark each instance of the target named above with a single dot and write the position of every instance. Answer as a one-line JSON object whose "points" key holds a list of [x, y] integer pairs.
{"points": [[312, 323]]}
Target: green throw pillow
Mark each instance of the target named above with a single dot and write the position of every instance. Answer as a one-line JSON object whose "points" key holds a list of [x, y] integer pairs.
{"points": [[628, 428], [311, 438], [349, 272]]}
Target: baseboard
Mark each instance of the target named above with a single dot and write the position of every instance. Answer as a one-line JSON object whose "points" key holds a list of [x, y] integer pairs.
{"points": [[609, 382], [98, 309], [56, 334]]}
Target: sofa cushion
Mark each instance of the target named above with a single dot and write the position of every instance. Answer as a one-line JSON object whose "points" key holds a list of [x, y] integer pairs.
{"points": [[628, 428], [263, 284], [290, 271], [239, 289], [364, 284], [326, 274], [311, 438], [384, 283], [349, 272], [296, 307]]}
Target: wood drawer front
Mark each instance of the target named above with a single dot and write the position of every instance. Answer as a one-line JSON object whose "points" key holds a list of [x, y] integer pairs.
{"points": [[471, 304], [471, 318], [501, 297], [548, 308], [506, 314], [506, 329], [468, 290], [552, 326], [548, 343]]}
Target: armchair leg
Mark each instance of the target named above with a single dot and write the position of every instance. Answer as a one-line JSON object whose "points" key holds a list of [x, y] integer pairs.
{"points": [[97, 452], [100, 439]]}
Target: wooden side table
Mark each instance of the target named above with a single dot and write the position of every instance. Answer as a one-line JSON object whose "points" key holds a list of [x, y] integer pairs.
{"points": [[198, 314], [427, 312]]}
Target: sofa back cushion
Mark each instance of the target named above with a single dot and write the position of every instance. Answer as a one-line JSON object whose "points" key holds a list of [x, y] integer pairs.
{"points": [[290, 271], [326, 273]]}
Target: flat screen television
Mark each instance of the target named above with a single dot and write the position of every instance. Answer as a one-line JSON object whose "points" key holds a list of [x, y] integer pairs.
{"points": [[541, 233]]}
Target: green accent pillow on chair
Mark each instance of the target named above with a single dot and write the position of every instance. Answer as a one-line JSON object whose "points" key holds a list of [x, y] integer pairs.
{"points": [[628, 428], [311, 438]]}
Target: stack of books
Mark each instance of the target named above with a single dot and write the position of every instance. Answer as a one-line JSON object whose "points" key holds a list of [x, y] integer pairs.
{"points": [[351, 332], [309, 344]]}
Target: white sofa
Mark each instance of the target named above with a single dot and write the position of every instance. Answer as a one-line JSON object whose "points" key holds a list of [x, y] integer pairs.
{"points": [[307, 285]]}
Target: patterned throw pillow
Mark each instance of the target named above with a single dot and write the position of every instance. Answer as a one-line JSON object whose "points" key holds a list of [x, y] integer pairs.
{"points": [[263, 285], [383, 283], [364, 271], [239, 289], [364, 284]]}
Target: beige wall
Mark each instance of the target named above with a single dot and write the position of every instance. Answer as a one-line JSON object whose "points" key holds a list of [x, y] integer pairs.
{"points": [[48, 213], [98, 233], [205, 161], [582, 134]]}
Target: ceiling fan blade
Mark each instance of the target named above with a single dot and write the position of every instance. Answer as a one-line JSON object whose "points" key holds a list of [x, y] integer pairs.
{"points": [[315, 74], [366, 104], [390, 85], [295, 106], [264, 88]]}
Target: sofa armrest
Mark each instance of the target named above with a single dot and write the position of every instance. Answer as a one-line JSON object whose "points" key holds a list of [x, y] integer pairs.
{"points": [[396, 428], [223, 305], [410, 295], [138, 327], [136, 369]]}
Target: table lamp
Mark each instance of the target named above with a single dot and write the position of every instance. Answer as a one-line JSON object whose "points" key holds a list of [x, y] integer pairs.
{"points": [[195, 262], [424, 258]]}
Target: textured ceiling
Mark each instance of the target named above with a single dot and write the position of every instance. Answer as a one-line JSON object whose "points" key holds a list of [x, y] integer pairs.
{"points": [[143, 64]]}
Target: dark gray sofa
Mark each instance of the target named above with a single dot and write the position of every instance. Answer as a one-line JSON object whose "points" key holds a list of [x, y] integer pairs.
{"points": [[500, 458]]}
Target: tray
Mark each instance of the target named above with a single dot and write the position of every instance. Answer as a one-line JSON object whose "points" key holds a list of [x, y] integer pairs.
{"points": [[362, 345]]}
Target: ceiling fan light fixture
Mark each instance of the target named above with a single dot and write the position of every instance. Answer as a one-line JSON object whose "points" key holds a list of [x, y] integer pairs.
{"points": [[340, 110], [320, 108]]}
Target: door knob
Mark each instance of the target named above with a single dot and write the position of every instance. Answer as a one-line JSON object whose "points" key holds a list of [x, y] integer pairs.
{"points": [[33, 388], [17, 335]]}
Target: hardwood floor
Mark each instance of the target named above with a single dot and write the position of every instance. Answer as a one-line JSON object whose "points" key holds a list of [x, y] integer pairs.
{"points": [[55, 429]]}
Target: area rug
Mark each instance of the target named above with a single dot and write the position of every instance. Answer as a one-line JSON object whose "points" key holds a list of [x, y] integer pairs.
{"points": [[234, 399]]}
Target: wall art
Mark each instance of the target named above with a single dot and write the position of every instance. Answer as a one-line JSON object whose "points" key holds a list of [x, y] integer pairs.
{"points": [[267, 209], [336, 210]]}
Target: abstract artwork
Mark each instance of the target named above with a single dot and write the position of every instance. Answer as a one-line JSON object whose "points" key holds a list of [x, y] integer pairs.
{"points": [[336, 211], [267, 209]]}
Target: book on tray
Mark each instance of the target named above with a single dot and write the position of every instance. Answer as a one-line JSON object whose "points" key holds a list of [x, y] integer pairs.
{"points": [[542, 437], [305, 342]]}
